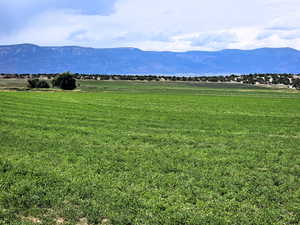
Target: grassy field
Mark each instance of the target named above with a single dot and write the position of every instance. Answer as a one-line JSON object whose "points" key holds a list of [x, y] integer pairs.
{"points": [[133, 153]]}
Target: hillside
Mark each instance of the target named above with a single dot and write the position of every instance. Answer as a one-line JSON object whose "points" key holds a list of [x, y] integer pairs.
{"points": [[28, 58]]}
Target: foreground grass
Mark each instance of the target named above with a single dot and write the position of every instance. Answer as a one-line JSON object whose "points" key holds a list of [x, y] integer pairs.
{"points": [[150, 153]]}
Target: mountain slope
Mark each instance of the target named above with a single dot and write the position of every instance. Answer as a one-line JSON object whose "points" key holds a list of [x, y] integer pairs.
{"points": [[28, 58]]}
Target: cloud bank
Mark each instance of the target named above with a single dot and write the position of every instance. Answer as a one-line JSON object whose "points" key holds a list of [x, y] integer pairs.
{"points": [[168, 25]]}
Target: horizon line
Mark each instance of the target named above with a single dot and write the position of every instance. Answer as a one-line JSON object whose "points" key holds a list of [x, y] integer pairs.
{"points": [[135, 48]]}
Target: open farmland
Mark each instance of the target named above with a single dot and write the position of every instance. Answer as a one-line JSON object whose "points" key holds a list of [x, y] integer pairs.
{"points": [[133, 153]]}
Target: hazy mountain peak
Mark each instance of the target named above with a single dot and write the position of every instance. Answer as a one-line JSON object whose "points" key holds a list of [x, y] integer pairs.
{"points": [[30, 58]]}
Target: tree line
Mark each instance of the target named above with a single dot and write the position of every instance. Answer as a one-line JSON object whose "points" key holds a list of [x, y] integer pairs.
{"points": [[65, 81], [289, 80]]}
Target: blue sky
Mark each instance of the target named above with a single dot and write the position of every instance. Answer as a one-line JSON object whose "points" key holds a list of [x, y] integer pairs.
{"points": [[173, 25]]}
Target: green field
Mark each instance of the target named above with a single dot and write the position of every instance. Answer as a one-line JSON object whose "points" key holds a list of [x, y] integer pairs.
{"points": [[133, 153]]}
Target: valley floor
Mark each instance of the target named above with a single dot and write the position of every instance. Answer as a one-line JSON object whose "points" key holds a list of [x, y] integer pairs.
{"points": [[150, 153]]}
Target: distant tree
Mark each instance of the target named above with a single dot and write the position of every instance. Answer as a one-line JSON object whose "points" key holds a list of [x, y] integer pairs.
{"points": [[43, 84], [296, 84], [284, 80], [65, 81], [37, 83], [212, 79], [32, 83]]}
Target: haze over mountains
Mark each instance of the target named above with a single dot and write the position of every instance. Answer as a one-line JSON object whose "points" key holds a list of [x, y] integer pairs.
{"points": [[28, 58]]}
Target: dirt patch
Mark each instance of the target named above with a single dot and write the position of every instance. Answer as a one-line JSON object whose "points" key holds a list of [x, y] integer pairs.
{"points": [[32, 219], [83, 221], [59, 221]]}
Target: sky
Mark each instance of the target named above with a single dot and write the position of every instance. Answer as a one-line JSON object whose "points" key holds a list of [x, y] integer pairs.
{"points": [[161, 25]]}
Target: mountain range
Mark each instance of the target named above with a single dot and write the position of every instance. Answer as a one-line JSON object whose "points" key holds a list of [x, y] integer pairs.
{"points": [[29, 58]]}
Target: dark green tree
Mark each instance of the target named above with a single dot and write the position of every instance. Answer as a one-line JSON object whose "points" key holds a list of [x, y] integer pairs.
{"points": [[296, 84], [65, 81], [37, 83]]}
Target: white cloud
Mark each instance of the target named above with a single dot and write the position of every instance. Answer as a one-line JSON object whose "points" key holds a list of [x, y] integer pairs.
{"points": [[167, 25]]}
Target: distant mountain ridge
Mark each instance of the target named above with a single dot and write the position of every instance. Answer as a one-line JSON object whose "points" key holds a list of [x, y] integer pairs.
{"points": [[29, 58]]}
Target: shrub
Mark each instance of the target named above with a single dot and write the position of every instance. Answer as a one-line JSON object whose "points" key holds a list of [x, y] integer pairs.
{"points": [[296, 84], [43, 84], [32, 83], [36, 83], [65, 81]]}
